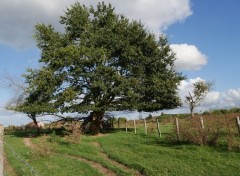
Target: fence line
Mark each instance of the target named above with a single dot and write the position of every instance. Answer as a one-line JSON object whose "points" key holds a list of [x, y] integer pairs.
{"points": [[135, 127], [145, 126], [159, 130], [1, 149], [148, 125], [238, 123], [22, 160], [17, 156], [177, 128]]}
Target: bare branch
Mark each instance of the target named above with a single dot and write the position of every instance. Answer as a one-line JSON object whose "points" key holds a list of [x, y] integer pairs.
{"points": [[17, 86]]}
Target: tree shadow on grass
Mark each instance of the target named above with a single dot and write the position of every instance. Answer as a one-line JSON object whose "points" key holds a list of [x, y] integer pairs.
{"points": [[27, 133], [20, 134]]}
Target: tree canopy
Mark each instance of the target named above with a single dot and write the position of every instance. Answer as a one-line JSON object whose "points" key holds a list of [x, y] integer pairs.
{"points": [[102, 61]]}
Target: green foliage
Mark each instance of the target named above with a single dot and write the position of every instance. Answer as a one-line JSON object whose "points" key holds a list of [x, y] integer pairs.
{"points": [[234, 110], [103, 61], [37, 97], [224, 111]]}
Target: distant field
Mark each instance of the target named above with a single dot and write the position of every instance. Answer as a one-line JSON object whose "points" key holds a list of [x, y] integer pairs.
{"points": [[116, 153]]}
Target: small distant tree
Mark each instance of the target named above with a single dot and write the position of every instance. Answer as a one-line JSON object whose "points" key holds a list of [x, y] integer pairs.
{"points": [[149, 117], [200, 91]]}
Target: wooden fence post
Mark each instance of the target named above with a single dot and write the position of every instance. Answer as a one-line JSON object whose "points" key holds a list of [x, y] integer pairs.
{"points": [[126, 126], [135, 127], [118, 123], [145, 126], [112, 122], [177, 129], [202, 124], [238, 124], [159, 130], [1, 149]]}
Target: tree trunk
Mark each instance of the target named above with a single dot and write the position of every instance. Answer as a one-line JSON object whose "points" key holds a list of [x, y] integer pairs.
{"points": [[192, 113], [33, 117], [94, 123]]}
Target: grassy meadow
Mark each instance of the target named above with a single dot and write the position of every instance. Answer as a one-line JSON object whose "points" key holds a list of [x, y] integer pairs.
{"points": [[117, 153]]}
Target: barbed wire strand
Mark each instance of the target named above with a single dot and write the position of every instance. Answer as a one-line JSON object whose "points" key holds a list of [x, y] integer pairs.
{"points": [[22, 160]]}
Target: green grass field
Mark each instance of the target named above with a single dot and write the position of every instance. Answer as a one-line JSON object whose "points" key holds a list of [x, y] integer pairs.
{"points": [[118, 153]]}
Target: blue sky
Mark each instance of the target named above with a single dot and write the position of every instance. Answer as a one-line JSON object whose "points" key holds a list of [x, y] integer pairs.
{"points": [[204, 34], [214, 27]]}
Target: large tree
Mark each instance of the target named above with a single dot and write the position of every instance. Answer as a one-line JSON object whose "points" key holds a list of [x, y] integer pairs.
{"points": [[106, 62]]}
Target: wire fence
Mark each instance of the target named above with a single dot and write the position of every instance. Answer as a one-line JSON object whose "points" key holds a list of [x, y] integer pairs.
{"points": [[27, 167], [1, 149]]}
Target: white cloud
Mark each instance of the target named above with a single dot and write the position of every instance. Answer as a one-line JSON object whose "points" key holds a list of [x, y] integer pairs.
{"points": [[19, 17], [12, 118], [188, 57], [157, 14], [186, 86], [16, 118], [214, 99]]}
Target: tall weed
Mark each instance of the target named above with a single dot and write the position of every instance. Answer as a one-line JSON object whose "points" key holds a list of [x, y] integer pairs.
{"points": [[214, 131]]}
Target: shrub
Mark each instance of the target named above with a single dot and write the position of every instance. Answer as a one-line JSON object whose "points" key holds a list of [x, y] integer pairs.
{"points": [[149, 117], [214, 131], [191, 131], [74, 135], [44, 148]]}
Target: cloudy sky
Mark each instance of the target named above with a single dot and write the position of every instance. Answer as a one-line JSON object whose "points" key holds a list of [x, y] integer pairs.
{"points": [[204, 34]]}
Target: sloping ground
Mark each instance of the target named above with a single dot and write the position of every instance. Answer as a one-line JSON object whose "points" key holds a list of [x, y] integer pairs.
{"points": [[98, 166], [122, 166], [94, 164], [123, 154]]}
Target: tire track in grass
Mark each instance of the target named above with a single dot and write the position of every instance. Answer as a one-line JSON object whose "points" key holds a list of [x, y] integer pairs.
{"points": [[122, 166], [98, 166], [94, 164], [27, 142]]}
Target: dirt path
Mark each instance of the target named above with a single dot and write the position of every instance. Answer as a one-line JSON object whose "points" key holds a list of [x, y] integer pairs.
{"points": [[113, 162], [28, 142]]}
